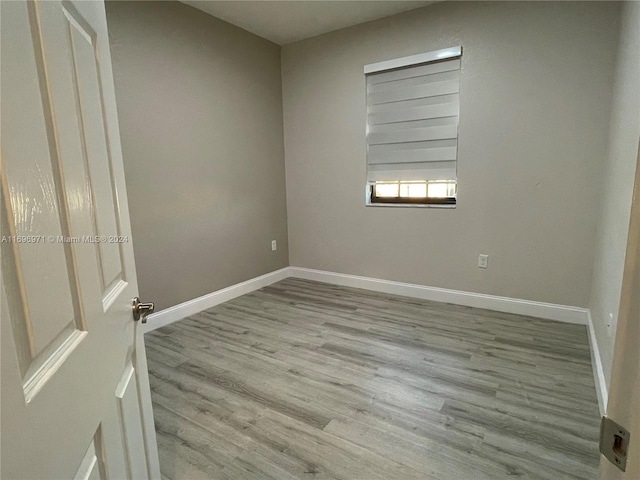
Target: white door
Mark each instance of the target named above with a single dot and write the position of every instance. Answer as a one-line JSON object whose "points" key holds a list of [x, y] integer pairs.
{"points": [[75, 390]]}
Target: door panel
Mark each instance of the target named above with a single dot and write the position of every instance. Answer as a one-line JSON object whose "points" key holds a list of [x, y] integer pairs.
{"points": [[75, 394], [96, 152], [92, 466], [131, 423], [47, 316]]}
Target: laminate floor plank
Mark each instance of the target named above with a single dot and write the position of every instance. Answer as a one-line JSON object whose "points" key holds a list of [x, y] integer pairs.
{"points": [[324, 454], [303, 379], [401, 446]]}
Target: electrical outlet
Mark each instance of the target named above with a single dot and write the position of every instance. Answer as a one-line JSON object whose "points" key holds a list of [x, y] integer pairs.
{"points": [[274, 246], [483, 260], [610, 324]]}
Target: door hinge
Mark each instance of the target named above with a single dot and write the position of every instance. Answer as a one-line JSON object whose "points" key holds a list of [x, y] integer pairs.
{"points": [[614, 442]]}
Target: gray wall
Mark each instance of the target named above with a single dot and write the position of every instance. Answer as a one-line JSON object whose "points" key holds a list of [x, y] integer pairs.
{"points": [[617, 185], [535, 101], [200, 109]]}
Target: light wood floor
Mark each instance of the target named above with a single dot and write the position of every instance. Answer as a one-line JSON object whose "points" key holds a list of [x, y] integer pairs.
{"points": [[304, 380]]}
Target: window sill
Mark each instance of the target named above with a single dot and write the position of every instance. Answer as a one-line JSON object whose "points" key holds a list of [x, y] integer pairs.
{"points": [[411, 205]]}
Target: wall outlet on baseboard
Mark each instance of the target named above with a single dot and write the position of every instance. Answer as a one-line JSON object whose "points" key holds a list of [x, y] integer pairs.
{"points": [[483, 261], [274, 245]]}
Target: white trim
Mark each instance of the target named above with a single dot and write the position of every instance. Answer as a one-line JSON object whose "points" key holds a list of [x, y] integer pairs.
{"points": [[561, 313], [550, 311], [413, 60], [598, 370], [190, 307]]}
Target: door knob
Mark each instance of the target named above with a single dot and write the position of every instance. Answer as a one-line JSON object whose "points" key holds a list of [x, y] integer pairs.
{"points": [[141, 310]]}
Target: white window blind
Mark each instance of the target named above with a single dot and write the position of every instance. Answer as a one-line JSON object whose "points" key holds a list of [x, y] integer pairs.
{"points": [[412, 117]]}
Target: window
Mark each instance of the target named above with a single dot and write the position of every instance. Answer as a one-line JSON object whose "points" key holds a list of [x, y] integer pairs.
{"points": [[412, 129], [435, 192]]}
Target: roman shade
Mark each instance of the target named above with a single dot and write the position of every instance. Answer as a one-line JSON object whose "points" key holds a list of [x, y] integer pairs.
{"points": [[412, 117]]}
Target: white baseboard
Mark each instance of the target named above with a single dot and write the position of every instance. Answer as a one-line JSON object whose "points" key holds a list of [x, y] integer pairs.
{"points": [[598, 370], [191, 307], [550, 311], [561, 313]]}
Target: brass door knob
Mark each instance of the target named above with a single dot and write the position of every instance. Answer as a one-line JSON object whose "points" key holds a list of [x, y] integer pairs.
{"points": [[141, 310]]}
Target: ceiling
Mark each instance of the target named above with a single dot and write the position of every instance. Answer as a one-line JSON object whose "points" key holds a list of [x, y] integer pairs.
{"points": [[288, 21]]}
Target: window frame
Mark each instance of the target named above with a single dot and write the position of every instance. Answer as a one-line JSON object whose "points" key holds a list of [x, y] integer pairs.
{"points": [[371, 200]]}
